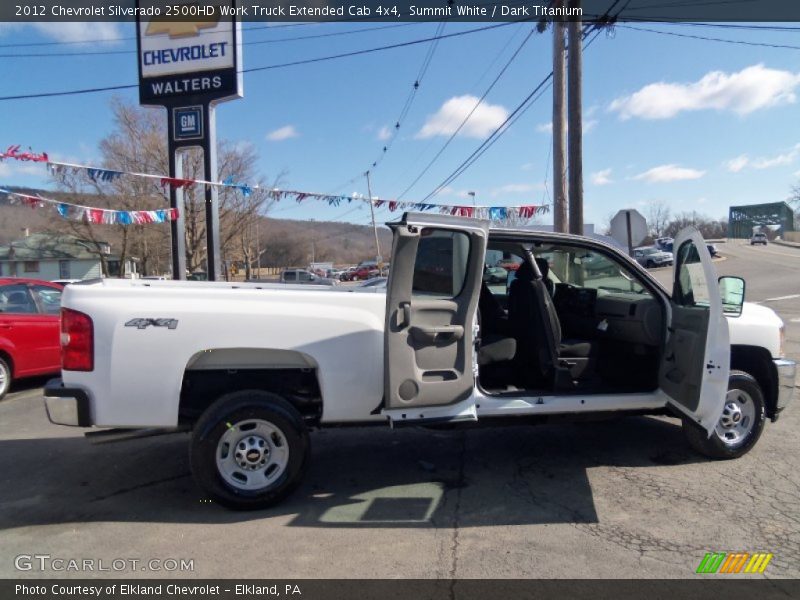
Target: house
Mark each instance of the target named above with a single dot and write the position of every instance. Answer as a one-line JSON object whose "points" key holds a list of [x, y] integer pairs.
{"points": [[59, 256]]}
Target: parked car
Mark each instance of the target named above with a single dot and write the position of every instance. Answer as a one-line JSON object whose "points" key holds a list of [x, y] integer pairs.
{"points": [[29, 329], [375, 282], [758, 238], [664, 243], [251, 370], [495, 274], [712, 250], [63, 282], [652, 257], [304, 276], [361, 273]]}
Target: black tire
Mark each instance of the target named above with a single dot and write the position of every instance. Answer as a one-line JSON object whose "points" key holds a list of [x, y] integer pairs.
{"points": [[224, 415], [650, 264], [5, 377], [714, 447]]}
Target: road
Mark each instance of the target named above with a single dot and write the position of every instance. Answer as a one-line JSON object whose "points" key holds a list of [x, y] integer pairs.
{"points": [[621, 498]]}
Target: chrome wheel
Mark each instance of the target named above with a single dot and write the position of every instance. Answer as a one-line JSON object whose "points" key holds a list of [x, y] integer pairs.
{"points": [[252, 455], [738, 418]]}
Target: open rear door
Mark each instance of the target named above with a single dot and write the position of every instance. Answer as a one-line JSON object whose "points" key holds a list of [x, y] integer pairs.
{"points": [[696, 362], [431, 301]]}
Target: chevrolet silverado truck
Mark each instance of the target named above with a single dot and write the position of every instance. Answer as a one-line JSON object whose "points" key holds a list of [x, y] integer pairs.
{"points": [[250, 369]]}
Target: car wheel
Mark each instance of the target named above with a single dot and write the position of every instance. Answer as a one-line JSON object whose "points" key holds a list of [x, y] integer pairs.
{"points": [[740, 425], [249, 450], [5, 377], [650, 264]]}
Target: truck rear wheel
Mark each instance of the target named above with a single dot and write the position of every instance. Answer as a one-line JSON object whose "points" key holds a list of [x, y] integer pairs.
{"points": [[740, 425], [249, 450]]}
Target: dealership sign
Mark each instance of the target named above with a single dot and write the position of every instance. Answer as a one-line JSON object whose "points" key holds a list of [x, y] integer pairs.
{"points": [[194, 60]]}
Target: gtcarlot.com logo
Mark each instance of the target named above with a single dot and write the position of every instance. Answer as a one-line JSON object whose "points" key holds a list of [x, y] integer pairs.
{"points": [[47, 562], [734, 562]]}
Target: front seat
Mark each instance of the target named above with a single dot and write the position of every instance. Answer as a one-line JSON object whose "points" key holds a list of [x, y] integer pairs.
{"points": [[542, 357], [544, 269]]}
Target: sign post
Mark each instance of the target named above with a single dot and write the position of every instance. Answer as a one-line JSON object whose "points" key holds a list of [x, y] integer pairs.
{"points": [[629, 228], [189, 67]]}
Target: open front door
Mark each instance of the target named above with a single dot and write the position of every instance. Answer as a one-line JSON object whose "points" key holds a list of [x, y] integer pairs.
{"points": [[696, 361], [431, 301]]}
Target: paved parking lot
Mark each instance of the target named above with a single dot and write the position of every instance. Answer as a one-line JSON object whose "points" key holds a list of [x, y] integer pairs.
{"points": [[621, 498]]}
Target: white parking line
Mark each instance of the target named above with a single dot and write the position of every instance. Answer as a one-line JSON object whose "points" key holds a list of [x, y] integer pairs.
{"points": [[781, 298]]}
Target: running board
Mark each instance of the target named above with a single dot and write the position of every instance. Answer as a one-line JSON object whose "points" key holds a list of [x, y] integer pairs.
{"points": [[107, 436], [420, 415]]}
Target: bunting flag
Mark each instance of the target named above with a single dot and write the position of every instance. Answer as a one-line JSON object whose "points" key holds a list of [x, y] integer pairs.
{"points": [[176, 183], [96, 174], [89, 214], [14, 153]]}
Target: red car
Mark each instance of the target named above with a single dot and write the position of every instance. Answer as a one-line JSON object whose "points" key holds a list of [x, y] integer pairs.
{"points": [[361, 274], [29, 329]]}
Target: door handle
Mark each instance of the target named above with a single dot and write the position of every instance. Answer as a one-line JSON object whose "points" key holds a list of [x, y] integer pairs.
{"points": [[441, 333], [5, 326], [404, 311]]}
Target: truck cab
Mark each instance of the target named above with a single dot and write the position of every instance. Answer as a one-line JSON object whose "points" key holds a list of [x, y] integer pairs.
{"points": [[580, 329]]}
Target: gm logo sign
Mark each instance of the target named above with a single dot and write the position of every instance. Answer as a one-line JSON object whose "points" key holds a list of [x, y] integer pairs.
{"points": [[188, 123]]}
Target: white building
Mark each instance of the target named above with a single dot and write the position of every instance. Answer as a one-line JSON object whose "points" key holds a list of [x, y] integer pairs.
{"points": [[51, 256]]}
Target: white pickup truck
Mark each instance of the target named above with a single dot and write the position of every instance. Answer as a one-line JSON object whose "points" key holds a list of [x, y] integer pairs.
{"points": [[578, 328]]}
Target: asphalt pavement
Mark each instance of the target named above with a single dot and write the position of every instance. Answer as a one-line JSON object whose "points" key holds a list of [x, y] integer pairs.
{"points": [[618, 498]]}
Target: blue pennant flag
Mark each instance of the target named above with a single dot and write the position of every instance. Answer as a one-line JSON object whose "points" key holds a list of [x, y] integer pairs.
{"points": [[102, 174], [498, 213], [63, 210]]}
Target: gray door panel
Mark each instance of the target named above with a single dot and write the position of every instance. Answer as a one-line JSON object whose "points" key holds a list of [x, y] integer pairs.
{"points": [[682, 367], [432, 296], [696, 361]]}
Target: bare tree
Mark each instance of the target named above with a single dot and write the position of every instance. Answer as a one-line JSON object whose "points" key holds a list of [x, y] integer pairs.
{"points": [[658, 215], [138, 143]]}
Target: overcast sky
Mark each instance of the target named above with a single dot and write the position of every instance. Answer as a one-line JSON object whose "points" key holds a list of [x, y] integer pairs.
{"points": [[697, 124]]}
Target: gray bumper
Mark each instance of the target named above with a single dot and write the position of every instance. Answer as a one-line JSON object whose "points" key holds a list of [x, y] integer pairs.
{"points": [[66, 406], [787, 370]]}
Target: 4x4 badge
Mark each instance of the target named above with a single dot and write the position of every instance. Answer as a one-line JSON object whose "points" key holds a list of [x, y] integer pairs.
{"points": [[145, 323]]}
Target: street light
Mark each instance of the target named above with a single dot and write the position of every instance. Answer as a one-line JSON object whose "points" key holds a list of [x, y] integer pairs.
{"points": [[472, 195]]}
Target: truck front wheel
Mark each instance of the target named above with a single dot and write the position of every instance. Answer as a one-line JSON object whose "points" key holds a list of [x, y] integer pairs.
{"points": [[740, 425], [249, 450]]}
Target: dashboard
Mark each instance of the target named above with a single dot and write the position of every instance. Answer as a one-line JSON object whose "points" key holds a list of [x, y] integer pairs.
{"points": [[604, 314]]}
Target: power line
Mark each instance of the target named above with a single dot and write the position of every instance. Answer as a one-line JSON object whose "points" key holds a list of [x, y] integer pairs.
{"points": [[520, 110], [426, 63], [276, 66], [710, 39], [489, 141], [432, 141], [467, 118], [248, 43], [201, 33]]}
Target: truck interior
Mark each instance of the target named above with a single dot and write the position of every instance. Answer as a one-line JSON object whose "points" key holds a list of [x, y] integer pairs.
{"points": [[567, 319]]}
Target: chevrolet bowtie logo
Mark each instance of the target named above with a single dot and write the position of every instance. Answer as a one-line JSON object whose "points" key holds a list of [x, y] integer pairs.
{"points": [[180, 29]]}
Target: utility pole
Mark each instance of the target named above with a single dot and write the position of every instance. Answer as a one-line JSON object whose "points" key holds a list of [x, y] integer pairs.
{"points": [[575, 130], [560, 222], [258, 249], [378, 256]]}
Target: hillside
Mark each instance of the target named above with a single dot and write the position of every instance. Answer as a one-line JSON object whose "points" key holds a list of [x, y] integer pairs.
{"points": [[283, 242]]}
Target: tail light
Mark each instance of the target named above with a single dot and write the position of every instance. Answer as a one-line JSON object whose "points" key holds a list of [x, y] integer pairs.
{"points": [[77, 341]]}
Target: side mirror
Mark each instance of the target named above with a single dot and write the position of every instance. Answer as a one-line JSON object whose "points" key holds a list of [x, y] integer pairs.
{"points": [[731, 291]]}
